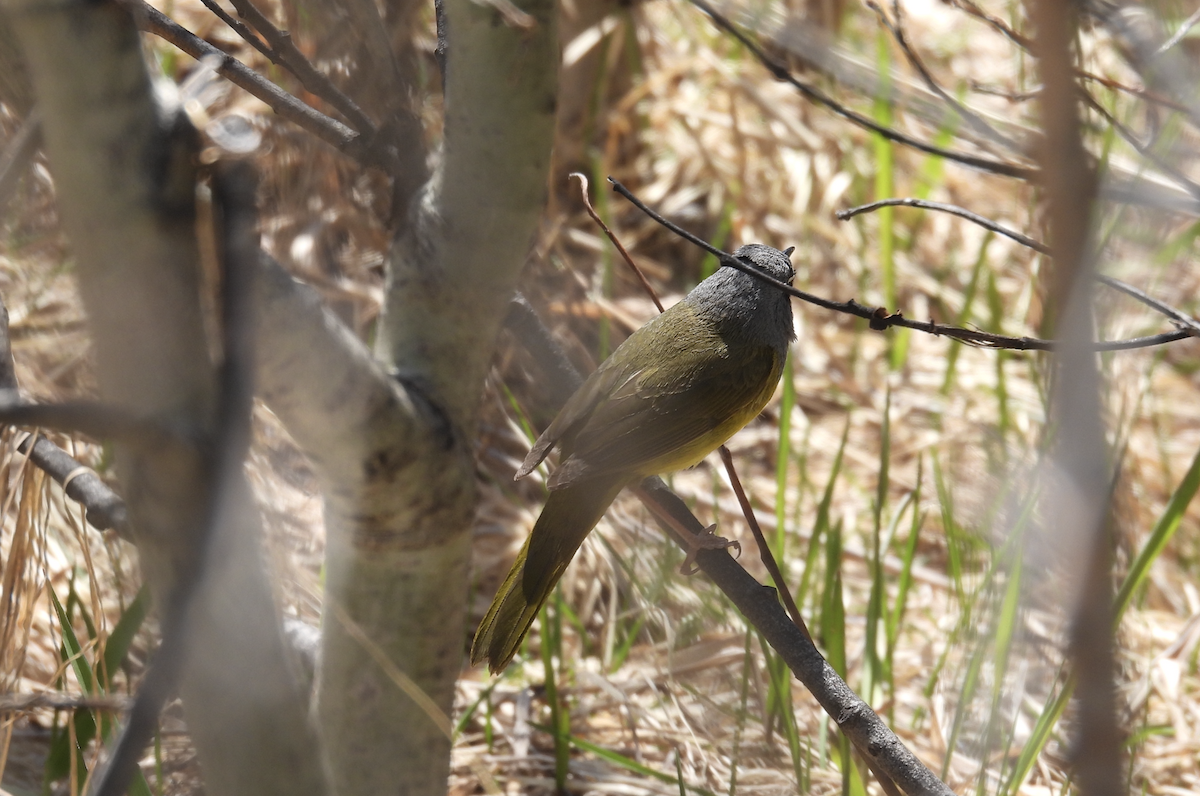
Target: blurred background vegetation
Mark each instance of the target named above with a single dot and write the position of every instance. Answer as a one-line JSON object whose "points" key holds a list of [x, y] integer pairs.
{"points": [[897, 474]]}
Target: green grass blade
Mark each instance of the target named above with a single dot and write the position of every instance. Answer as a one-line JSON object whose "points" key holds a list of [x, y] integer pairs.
{"points": [[833, 612], [72, 648], [783, 455], [122, 636], [907, 557], [953, 534], [1047, 721], [822, 522], [88, 723], [58, 760], [629, 764], [740, 727], [551, 643], [872, 671], [964, 314], [1162, 533]]}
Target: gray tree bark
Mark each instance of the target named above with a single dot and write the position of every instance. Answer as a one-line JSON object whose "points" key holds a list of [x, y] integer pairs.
{"points": [[394, 451]]}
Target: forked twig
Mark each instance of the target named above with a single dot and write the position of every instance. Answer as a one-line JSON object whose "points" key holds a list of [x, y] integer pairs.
{"points": [[977, 122], [282, 51], [350, 142]]}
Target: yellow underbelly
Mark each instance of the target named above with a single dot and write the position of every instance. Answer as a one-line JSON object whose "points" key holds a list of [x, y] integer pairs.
{"points": [[693, 452]]}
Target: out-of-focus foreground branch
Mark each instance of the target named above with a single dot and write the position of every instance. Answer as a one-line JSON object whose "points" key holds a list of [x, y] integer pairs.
{"points": [[123, 169], [1078, 511]]}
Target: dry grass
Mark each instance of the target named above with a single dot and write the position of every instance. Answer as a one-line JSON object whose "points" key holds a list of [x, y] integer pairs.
{"points": [[708, 138]]}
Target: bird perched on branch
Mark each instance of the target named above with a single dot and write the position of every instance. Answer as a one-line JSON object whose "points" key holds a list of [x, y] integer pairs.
{"points": [[673, 392]]}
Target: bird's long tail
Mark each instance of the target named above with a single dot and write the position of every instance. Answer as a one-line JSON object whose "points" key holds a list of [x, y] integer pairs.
{"points": [[570, 513]]}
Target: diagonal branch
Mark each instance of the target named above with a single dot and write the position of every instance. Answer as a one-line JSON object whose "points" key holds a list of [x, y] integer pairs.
{"points": [[977, 122], [105, 509], [884, 752], [282, 51], [341, 137]]}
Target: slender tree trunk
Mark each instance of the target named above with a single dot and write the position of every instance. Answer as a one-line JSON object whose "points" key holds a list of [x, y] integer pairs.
{"points": [[395, 452]]}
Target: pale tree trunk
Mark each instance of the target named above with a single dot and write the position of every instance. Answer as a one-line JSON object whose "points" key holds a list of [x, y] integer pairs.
{"points": [[123, 173], [394, 451]]}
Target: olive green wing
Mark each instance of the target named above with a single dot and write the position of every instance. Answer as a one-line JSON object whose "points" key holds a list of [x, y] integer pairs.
{"points": [[671, 414], [576, 411]]}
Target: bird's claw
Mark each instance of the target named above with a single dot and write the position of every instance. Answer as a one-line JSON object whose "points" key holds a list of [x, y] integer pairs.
{"points": [[706, 540]]}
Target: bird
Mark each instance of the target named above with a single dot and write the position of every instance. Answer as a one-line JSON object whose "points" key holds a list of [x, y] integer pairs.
{"points": [[670, 394]]}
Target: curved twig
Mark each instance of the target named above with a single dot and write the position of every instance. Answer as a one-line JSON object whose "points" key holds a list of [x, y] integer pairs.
{"points": [[955, 210]]}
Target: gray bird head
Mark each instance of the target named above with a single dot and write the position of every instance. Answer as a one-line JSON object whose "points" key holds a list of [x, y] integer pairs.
{"points": [[772, 262], [746, 306]]}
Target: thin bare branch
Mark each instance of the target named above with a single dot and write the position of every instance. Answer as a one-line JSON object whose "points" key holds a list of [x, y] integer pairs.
{"points": [[1178, 316], [97, 420], [1136, 28], [781, 72], [56, 700], [764, 550], [878, 317], [924, 204], [976, 122], [1181, 318], [1178, 35], [331, 131], [104, 508], [241, 29], [282, 51], [1144, 150], [995, 22], [591, 211]]}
